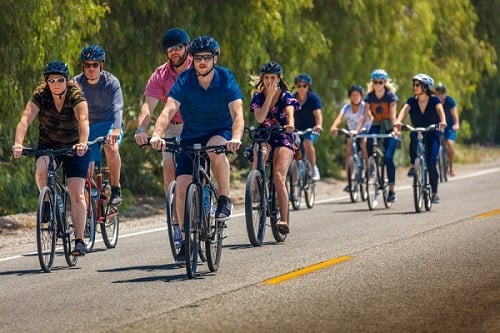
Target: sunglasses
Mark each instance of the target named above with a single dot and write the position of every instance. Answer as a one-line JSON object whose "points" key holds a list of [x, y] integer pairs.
{"points": [[417, 84], [377, 82], [59, 80], [91, 64], [302, 86], [175, 48], [206, 57]]}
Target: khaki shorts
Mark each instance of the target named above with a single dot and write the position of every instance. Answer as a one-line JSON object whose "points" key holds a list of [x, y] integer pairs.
{"points": [[172, 131]]}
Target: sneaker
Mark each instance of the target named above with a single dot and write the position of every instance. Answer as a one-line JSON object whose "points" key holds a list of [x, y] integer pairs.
{"points": [[435, 199], [180, 258], [392, 196], [80, 248], [116, 196], [315, 173], [347, 188], [224, 208], [411, 172], [47, 216]]}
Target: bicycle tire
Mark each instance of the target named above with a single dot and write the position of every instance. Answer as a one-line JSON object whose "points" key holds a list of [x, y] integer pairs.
{"points": [[428, 192], [170, 208], [309, 186], [418, 185], [89, 233], [385, 186], [255, 208], [46, 233], [361, 179], [111, 225], [213, 242], [293, 182], [274, 214], [351, 179], [372, 184], [446, 163], [192, 216], [440, 164], [68, 231]]}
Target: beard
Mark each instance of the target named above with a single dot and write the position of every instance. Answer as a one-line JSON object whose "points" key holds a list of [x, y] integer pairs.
{"points": [[178, 61]]}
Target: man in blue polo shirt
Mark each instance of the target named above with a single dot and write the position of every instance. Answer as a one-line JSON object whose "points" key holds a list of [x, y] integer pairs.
{"points": [[211, 105]]}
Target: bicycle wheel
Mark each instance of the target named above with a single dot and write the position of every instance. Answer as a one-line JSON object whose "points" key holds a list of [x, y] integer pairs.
{"points": [[255, 208], [385, 186], [309, 186], [293, 184], [175, 244], [418, 185], [111, 223], [68, 231], [46, 233], [213, 242], [274, 213], [90, 222], [361, 180], [446, 163], [440, 164], [372, 185], [351, 179], [192, 216], [427, 192]]}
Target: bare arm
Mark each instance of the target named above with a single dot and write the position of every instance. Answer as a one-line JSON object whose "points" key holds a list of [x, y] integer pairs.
{"points": [[393, 112], [402, 114], [318, 117], [362, 121], [456, 119], [236, 109], [335, 126], [261, 114], [82, 115], [442, 116], [161, 124]]}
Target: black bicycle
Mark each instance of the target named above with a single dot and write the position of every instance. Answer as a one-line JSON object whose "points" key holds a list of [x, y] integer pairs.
{"points": [[260, 193], [421, 187], [200, 224], [443, 161], [376, 171], [54, 211], [299, 178], [355, 170]]}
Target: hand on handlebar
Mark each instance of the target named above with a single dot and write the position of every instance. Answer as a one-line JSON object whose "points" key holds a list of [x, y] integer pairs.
{"points": [[233, 145], [17, 150], [157, 143]]}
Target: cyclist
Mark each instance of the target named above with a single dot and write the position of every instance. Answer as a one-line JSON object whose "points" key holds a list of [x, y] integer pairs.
{"points": [[273, 106], [425, 109], [381, 104], [352, 112], [62, 112], [308, 116], [175, 44], [105, 99], [452, 121], [211, 104]]}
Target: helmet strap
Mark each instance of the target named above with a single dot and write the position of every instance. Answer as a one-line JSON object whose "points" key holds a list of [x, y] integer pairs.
{"points": [[183, 60], [61, 94], [210, 71]]}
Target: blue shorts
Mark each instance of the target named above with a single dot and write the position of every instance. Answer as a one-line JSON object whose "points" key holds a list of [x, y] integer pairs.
{"points": [[450, 134], [312, 136], [101, 129], [73, 166], [184, 160]]}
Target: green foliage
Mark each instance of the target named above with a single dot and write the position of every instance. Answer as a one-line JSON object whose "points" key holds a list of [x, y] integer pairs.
{"points": [[338, 42]]}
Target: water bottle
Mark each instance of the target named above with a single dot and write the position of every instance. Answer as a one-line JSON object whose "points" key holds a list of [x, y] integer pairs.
{"points": [[106, 189], [177, 236], [60, 205], [94, 193], [206, 199]]}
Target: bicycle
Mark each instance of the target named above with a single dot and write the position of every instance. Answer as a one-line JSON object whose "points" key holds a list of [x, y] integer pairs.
{"points": [[421, 187], [200, 224], [299, 178], [54, 211], [99, 212], [260, 193], [443, 161], [376, 172], [355, 170]]}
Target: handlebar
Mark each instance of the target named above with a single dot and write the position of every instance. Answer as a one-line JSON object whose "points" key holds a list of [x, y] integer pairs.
{"points": [[254, 131], [419, 129], [27, 151]]}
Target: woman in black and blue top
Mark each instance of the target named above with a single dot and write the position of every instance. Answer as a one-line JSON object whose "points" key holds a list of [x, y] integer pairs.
{"points": [[425, 109]]}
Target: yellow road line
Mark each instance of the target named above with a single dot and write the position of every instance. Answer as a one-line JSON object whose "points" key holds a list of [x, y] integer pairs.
{"points": [[488, 214], [306, 270]]}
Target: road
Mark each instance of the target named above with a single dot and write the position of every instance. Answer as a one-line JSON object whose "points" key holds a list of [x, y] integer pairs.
{"points": [[387, 270]]}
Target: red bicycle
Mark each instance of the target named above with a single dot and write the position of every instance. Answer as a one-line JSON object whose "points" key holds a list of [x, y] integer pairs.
{"points": [[99, 211]]}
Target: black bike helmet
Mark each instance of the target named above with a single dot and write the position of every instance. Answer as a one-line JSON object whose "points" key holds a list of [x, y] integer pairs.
{"points": [[441, 88], [355, 87], [56, 67], [93, 53], [204, 44], [174, 37], [271, 68], [303, 77]]}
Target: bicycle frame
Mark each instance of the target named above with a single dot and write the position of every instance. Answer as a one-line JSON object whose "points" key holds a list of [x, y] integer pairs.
{"points": [[305, 181], [355, 167]]}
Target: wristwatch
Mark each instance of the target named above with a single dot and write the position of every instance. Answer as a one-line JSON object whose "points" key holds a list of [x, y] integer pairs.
{"points": [[139, 130]]}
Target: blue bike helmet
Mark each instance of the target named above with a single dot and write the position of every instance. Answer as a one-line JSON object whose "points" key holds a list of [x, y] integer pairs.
{"points": [[379, 74], [271, 68], [93, 53], [426, 80], [204, 44], [174, 37], [56, 67], [303, 77], [355, 87]]}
